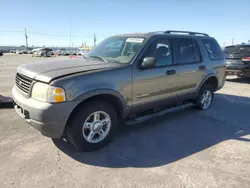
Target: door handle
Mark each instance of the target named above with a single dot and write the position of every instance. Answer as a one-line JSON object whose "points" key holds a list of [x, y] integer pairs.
{"points": [[171, 72], [202, 67]]}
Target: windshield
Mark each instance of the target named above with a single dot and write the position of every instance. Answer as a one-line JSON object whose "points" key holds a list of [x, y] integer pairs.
{"points": [[117, 49], [237, 49]]}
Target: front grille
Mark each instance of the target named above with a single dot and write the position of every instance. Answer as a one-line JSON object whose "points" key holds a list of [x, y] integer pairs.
{"points": [[23, 83]]}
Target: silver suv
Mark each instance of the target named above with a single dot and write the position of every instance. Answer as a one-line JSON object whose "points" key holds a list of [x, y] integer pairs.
{"points": [[127, 77]]}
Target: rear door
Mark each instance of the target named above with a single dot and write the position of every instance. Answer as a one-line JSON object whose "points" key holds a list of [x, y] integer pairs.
{"points": [[191, 69]]}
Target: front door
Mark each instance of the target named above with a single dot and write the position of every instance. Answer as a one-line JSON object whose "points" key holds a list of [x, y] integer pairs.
{"points": [[159, 83]]}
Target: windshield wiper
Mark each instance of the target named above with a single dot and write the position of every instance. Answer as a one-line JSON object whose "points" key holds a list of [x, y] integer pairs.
{"points": [[98, 57]]}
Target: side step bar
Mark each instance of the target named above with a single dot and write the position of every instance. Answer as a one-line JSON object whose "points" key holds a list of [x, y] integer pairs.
{"points": [[157, 114]]}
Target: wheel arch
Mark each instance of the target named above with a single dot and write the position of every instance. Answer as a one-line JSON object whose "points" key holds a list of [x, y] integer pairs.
{"points": [[112, 97], [210, 79]]}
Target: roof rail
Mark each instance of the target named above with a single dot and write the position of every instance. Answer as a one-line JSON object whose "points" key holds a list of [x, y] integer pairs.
{"points": [[186, 32]]}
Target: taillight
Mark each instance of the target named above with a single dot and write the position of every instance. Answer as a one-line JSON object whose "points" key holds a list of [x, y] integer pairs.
{"points": [[246, 59]]}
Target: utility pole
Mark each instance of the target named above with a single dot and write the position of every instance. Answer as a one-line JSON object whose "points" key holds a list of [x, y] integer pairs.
{"points": [[224, 45], [26, 38], [94, 40], [232, 41], [70, 34], [84, 46]]}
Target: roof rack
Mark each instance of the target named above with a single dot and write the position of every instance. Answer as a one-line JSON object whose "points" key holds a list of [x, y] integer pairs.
{"points": [[186, 32]]}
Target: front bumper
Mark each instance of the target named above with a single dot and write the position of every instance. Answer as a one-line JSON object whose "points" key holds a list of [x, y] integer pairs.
{"points": [[49, 119]]}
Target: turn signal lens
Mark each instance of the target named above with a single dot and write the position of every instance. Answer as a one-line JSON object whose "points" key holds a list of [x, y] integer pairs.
{"points": [[59, 98], [59, 90], [56, 95]]}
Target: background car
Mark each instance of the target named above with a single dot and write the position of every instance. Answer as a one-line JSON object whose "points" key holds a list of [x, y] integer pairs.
{"points": [[238, 60], [73, 53], [18, 52], [66, 52], [24, 51], [42, 52], [30, 52], [63, 52]]}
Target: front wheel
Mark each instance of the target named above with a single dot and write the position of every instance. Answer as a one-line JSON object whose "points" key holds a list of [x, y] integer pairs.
{"points": [[205, 97], [93, 126]]}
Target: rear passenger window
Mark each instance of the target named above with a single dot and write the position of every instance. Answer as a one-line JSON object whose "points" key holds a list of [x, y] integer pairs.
{"points": [[186, 51], [213, 49]]}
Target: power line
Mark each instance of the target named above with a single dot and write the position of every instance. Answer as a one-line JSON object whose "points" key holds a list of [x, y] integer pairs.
{"points": [[44, 33], [11, 31]]}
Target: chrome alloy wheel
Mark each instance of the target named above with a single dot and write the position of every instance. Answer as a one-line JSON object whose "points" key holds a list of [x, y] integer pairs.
{"points": [[96, 127], [206, 99]]}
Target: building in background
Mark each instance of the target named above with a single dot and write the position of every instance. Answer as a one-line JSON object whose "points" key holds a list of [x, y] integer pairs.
{"points": [[85, 48]]}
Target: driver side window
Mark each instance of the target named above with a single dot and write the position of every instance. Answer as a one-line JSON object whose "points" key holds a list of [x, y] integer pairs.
{"points": [[161, 51]]}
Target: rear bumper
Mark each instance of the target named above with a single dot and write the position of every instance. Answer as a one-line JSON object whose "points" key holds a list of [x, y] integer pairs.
{"points": [[49, 119], [238, 70]]}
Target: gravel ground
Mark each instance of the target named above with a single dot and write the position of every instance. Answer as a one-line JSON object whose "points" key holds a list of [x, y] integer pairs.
{"points": [[185, 149]]}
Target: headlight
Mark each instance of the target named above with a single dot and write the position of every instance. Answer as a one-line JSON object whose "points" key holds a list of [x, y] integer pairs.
{"points": [[47, 93]]}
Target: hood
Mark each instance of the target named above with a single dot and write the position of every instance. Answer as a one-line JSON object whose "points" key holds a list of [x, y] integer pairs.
{"points": [[49, 70]]}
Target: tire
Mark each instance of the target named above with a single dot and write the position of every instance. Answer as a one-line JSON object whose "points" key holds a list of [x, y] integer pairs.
{"points": [[207, 88], [78, 133]]}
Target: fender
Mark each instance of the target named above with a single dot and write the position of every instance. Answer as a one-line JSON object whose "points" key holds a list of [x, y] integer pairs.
{"points": [[97, 92], [210, 75]]}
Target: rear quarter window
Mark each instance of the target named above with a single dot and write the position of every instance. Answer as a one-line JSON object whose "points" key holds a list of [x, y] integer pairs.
{"points": [[213, 49], [237, 49], [186, 50]]}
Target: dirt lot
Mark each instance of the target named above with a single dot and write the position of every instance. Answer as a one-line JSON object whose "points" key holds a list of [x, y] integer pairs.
{"points": [[185, 149]]}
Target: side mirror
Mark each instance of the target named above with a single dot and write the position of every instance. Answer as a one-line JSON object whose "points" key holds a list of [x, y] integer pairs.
{"points": [[148, 63]]}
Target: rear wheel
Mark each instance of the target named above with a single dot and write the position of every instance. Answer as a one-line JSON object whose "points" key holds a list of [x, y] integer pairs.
{"points": [[205, 97], [93, 126]]}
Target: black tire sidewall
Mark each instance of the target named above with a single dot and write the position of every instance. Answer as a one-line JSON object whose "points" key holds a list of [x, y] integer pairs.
{"points": [[199, 97], [75, 130]]}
